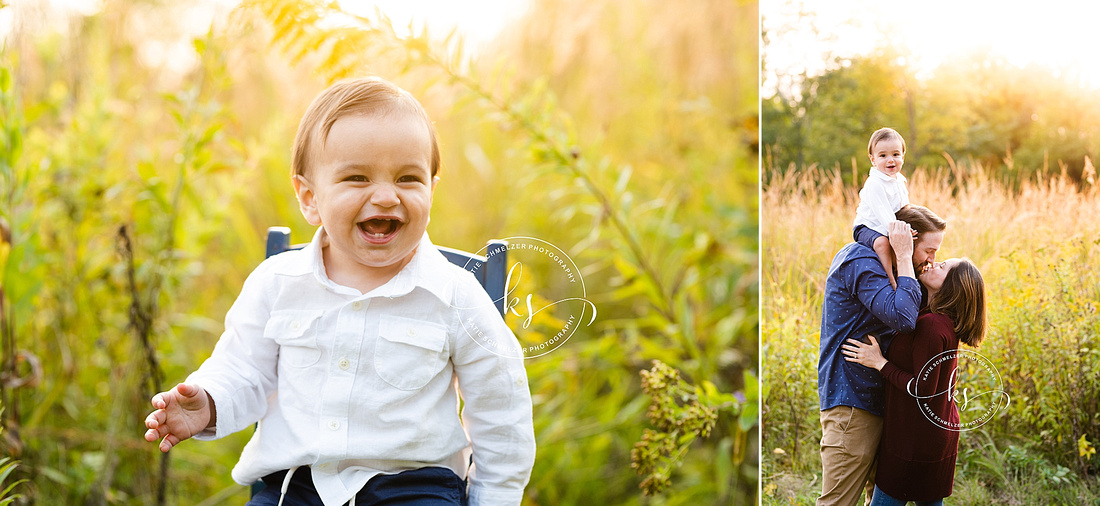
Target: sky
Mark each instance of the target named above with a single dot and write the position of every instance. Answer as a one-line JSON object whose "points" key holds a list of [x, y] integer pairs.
{"points": [[1059, 34], [1056, 33], [477, 21]]}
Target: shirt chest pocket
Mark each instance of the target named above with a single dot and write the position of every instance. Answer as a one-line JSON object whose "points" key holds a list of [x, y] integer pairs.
{"points": [[296, 333], [409, 353]]}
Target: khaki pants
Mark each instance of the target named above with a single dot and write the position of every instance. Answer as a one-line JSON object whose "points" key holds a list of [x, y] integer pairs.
{"points": [[849, 444]]}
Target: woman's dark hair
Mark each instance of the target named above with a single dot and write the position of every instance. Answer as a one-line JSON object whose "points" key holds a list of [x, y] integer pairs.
{"points": [[962, 298]]}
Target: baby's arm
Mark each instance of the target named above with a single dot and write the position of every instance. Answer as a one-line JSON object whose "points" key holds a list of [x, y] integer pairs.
{"points": [[180, 413], [497, 413], [240, 374]]}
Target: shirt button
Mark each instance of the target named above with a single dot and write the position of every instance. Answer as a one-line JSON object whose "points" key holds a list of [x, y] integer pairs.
{"points": [[357, 305], [334, 425], [344, 364], [295, 325], [521, 381], [412, 331]]}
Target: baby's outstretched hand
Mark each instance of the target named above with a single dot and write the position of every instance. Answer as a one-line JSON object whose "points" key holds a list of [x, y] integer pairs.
{"points": [[180, 413]]}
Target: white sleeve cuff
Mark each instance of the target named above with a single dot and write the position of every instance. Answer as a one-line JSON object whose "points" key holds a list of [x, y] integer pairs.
{"points": [[222, 403], [485, 496]]}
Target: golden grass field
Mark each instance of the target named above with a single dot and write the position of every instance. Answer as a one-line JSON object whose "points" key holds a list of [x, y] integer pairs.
{"points": [[1037, 244]]}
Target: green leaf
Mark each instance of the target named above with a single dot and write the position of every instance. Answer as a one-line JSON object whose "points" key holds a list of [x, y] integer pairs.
{"points": [[56, 476], [752, 386], [750, 412], [6, 468]]}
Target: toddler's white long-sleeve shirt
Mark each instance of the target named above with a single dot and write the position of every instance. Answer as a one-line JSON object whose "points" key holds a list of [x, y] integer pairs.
{"points": [[879, 199], [354, 385]]}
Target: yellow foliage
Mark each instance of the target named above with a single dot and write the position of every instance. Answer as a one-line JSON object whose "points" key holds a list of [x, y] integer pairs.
{"points": [[1085, 448], [769, 489]]}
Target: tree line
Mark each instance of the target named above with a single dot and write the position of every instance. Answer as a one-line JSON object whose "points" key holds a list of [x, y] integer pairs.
{"points": [[977, 110]]}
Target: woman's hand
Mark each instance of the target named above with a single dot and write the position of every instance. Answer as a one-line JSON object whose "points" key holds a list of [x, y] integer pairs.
{"points": [[864, 354]]}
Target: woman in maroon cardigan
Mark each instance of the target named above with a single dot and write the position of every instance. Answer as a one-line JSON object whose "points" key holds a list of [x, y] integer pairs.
{"points": [[916, 458]]}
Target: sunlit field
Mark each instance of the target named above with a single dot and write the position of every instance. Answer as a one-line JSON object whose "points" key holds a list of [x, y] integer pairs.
{"points": [[1037, 247], [141, 164]]}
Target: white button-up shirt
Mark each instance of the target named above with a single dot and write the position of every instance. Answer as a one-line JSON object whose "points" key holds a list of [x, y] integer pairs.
{"points": [[879, 199], [354, 385]]}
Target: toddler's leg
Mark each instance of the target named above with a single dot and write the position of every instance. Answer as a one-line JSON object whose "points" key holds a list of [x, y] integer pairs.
{"points": [[886, 256]]}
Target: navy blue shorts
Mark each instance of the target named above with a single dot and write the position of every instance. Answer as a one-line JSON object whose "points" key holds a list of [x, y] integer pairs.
{"points": [[865, 235], [429, 486]]}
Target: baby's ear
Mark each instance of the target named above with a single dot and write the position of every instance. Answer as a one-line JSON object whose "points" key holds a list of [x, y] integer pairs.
{"points": [[307, 201]]}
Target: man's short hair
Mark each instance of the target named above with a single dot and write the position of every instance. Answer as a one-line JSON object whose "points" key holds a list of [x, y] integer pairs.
{"points": [[921, 219]]}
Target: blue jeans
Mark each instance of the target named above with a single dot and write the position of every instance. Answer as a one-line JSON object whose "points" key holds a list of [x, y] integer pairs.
{"points": [[882, 499], [429, 486]]}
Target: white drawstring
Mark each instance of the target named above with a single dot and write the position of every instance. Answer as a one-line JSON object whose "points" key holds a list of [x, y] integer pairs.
{"points": [[286, 484]]}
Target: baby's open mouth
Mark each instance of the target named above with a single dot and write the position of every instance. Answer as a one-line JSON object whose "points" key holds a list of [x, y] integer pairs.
{"points": [[379, 228]]}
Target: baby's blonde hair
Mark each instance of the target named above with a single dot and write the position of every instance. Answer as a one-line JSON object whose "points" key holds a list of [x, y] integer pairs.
{"points": [[883, 134], [368, 96]]}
